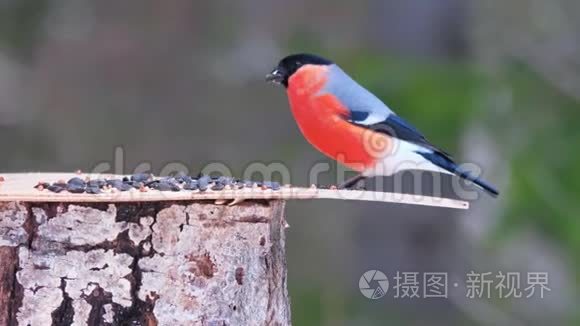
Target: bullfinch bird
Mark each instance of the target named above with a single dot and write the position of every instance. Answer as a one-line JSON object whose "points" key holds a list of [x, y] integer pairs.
{"points": [[351, 125]]}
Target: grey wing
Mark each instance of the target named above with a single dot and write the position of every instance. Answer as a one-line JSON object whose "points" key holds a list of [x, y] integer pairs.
{"points": [[364, 106]]}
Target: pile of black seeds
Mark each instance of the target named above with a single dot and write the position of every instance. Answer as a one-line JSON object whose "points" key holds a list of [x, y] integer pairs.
{"points": [[145, 182]]}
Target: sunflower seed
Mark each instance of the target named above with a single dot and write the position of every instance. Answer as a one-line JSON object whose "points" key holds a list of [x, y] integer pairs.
{"points": [[140, 177]]}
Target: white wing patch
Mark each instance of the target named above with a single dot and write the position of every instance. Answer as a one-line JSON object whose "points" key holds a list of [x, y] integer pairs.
{"points": [[403, 158], [371, 119]]}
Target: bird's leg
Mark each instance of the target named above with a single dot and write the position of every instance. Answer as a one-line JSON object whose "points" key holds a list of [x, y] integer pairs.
{"points": [[351, 182]]}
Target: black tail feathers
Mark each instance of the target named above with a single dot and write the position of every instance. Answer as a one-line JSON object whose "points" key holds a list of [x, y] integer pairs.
{"points": [[481, 183], [444, 162]]}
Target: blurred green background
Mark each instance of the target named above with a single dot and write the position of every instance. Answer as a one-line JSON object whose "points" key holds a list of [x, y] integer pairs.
{"points": [[494, 82]]}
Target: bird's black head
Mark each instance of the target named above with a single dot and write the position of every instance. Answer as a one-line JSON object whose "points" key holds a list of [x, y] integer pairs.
{"points": [[290, 64]]}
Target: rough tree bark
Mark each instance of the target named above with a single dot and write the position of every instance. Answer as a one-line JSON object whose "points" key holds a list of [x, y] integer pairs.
{"points": [[158, 263]]}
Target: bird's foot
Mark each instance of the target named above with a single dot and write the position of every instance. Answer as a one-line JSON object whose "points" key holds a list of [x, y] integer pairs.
{"points": [[350, 183]]}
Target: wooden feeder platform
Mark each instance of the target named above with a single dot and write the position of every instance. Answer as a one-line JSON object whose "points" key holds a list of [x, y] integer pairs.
{"points": [[20, 187]]}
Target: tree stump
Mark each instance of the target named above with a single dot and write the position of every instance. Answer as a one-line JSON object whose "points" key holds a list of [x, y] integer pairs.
{"points": [[150, 257], [143, 263]]}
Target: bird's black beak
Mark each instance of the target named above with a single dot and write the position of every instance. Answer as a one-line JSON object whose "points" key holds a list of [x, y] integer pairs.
{"points": [[276, 76]]}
